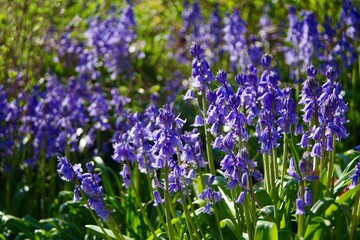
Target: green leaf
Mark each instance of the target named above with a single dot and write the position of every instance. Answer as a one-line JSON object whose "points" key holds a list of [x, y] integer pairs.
{"points": [[294, 151], [333, 208], [263, 198], [266, 230], [97, 230], [268, 212], [19, 224], [345, 196], [233, 228], [343, 215], [321, 205], [349, 167], [285, 235], [227, 206], [318, 228]]}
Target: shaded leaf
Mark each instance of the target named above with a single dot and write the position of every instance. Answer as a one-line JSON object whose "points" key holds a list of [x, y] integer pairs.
{"points": [[266, 230]]}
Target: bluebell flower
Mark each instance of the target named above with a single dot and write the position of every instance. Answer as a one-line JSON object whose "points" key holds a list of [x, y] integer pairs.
{"points": [[266, 60], [305, 169], [64, 169], [241, 198], [198, 121], [201, 72], [235, 42], [255, 50], [300, 206], [157, 198], [189, 95], [98, 206], [207, 208], [355, 176], [88, 182], [126, 176], [307, 197]]}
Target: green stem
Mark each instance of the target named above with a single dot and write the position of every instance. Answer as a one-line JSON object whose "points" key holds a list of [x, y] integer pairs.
{"points": [[266, 173], [159, 212], [249, 224], [315, 184], [275, 173], [217, 220], [355, 217], [167, 204], [195, 216], [207, 135], [284, 163], [189, 223], [111, 224], [238, 216], [144, 214], [301, 223], [199, 169], [252, 197], [93, 215], [331, 167], [8, 192], [275, 166], [271, 173]]}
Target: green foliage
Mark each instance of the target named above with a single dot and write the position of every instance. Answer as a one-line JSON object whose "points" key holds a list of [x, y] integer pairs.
{"points": [[266, 230]]}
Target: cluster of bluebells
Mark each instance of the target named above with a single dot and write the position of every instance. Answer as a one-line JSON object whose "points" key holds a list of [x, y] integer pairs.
{"points": [[105, 48], [235, 42], [52, 117], [272, 106], [168, 145], [88, 183], [58, 112], [304, 43], [194, 28], [209, 195], [132, 145], [224, 112], [305, 176], [154, 142], [109, 40], [58, 117], [324, 112], [10, 112], [305, 40], [335, 46], [261, 103]]}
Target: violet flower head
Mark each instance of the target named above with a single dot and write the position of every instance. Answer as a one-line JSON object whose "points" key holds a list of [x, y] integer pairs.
{"points": [[305, 169], [300, 206], [266, 60], [89, 184], [333, 108], [355, 179], [310, 45], [307, 197], [201, 72], [207, 208], [192, 19], [235, 42], [309, 96], [157, 198], [64, 169], [212, 35], [241, 198]]}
